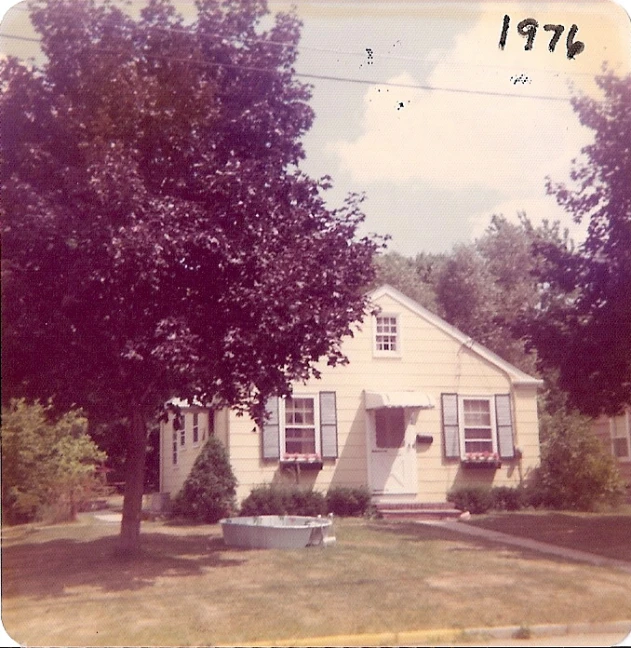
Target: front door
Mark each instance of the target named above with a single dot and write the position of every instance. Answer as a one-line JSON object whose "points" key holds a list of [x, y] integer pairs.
{"points": [[392, 452]]}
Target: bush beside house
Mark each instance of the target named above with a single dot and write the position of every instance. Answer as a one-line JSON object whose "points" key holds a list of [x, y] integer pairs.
{"points": [[209, 491], [277, 500], [481, 500], [575, 471]]}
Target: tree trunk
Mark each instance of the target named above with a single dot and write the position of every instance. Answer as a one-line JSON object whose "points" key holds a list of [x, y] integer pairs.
{"points": [[134, 485]]}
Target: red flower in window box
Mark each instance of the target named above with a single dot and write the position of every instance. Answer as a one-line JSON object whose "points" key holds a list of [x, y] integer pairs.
{"points": [[482, 459], [302, 458]]}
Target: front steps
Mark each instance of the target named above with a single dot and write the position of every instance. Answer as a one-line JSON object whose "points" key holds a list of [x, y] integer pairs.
{"points": [[416, 510]]}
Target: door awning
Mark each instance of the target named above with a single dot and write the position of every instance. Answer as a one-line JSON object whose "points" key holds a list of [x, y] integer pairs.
{"points": [[379, 400]]}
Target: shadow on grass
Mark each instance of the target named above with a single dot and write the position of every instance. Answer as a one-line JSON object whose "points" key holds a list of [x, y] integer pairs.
{"points": [[412, 532], [51, 568], [605, 534]]}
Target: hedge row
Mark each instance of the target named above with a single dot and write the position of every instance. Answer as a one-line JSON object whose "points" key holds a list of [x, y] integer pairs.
{"points": [[277, 500], [478, 500]]}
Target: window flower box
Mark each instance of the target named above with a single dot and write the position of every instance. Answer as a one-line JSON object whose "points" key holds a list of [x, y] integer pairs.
{"points": [[481, 460], [304, 461]]}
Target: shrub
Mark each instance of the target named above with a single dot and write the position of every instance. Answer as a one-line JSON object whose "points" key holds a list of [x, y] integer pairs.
{"points": [[302, 502], [283, 500], [478, 500], [48, 463], [576, 472], [263, 500], [348, 501], [505, 498], [209, 491], [475, 500]]}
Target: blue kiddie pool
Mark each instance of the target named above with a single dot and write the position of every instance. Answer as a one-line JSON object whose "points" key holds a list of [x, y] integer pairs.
{"points": [[276, 531]]}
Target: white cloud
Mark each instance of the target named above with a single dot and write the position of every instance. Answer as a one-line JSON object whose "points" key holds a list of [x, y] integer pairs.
{"points": [[468, 140]]}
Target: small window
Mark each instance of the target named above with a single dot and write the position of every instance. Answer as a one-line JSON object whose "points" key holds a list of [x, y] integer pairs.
{"points": [[390, 427], [387, 335], [300, 429], [183, 430], [174, 446], [195, 428], [477, 427]]}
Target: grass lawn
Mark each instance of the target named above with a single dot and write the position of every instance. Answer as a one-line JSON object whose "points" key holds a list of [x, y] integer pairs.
{"points": [[604, 534], [61, 586]]}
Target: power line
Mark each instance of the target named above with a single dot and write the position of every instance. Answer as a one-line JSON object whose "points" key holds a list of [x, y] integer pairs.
{"points": [[332, 78], [301, 46]]}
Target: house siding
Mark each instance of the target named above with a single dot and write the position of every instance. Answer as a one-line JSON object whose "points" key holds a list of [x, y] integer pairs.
{"points": [[430, 361], [173, 475]]}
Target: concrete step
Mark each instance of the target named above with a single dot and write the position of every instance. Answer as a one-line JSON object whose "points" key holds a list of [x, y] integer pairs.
{"points": [[419, 514], [417, 510]]}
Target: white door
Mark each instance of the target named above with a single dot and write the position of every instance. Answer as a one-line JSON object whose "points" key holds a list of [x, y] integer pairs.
{"points": [[392, 452]]}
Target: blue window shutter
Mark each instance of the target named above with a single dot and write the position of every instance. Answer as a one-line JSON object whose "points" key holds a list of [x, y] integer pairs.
{"points": [[504, 420], [451, 431], [328, 425], [271, 430]]}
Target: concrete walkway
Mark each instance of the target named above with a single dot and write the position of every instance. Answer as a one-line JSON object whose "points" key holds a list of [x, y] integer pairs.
{"points": [[571, 554]]}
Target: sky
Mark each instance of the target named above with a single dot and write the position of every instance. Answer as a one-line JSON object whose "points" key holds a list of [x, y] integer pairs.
{"points": [[419, 108]]}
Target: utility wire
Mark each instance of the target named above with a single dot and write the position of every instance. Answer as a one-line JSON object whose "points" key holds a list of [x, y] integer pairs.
{"points": [[332, 78], [301, 46]]}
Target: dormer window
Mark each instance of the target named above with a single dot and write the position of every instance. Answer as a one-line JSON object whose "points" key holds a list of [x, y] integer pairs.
{"points": [[387, 335]]}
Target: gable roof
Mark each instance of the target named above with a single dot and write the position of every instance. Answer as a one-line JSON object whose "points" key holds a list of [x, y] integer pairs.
{"points": [[516, 376]]}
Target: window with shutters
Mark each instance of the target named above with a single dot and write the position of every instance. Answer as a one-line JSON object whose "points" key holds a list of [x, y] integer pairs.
{"points": [[301, 428], [478, 430]]}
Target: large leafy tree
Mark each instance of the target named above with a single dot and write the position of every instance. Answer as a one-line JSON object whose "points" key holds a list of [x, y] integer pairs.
{"points": [[159, 236], [415, 278], [485, 286], [584, 333]]}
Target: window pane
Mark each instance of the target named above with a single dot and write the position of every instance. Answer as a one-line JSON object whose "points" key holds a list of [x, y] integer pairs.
{"points": [[477, 433], [390, 427], [299, 411], [478, 446], [477, 412], [300, 440]]}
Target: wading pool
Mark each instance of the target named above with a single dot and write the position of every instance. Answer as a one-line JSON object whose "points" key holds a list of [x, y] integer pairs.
{"points": [[276, 531]]}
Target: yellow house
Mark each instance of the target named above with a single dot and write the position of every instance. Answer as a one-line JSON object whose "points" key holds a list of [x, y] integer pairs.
{"points": [[419, 410]]}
